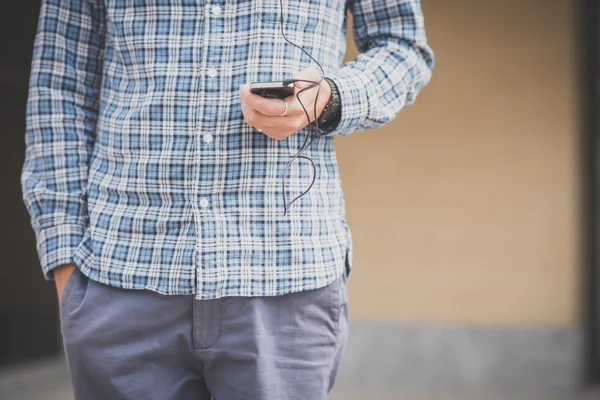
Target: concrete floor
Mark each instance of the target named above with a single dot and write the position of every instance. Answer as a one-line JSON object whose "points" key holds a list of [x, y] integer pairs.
{"points": [[49, 380]]}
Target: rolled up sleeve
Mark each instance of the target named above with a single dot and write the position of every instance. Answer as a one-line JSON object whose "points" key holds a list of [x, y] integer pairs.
{"points": [[394, 64]]}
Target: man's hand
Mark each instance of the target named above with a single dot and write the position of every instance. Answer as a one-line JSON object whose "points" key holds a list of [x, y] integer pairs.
{"points": [[263, 113], [61, 275]]}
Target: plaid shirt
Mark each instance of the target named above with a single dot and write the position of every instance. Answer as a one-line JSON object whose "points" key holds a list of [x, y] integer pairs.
{"points": [[140, 168]]}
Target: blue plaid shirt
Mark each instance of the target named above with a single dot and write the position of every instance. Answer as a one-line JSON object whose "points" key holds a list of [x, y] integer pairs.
{"points": [[140, 168]]}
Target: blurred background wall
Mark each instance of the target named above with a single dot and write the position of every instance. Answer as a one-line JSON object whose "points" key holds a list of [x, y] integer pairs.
{"points": [[464, 210], [467, 203]]}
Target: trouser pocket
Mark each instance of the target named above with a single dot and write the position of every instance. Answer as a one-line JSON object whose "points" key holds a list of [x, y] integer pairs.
{"points": [[72, 295]]}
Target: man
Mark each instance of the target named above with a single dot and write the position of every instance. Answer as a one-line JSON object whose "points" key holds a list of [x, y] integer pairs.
{"points": [[153, 180]]}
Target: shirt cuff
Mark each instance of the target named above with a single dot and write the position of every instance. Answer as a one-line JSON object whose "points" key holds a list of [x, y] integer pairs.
{"points": [[353, 88], [57, 244]]}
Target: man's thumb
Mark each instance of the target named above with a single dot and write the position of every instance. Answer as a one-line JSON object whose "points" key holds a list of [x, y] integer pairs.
{"points": [[301, 84], [304, 76]]}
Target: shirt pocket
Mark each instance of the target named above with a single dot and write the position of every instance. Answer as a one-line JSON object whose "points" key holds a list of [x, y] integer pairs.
{"points": [[156, 34], [297, 14]]}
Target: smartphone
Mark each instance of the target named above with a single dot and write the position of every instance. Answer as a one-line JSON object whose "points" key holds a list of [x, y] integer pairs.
{"points": [[272, 90]]}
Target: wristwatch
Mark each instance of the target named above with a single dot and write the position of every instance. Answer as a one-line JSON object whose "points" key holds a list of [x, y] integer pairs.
{"points": [[332, 113]]}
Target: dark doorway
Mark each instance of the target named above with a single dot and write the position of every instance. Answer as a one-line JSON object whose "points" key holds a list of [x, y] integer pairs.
{"points": [[28, 310]]}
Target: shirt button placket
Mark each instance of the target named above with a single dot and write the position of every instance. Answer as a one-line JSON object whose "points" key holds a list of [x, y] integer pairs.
{"points": [[208, 142], [211, 72]]}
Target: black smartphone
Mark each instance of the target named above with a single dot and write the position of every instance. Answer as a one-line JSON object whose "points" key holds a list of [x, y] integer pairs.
{"points": [[272, 90]]}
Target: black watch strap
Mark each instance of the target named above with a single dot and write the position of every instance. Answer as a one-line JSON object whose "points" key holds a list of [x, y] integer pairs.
{"points": [[332, 113]]}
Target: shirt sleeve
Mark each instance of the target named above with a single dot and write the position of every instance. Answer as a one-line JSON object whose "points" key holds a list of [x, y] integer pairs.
{"points": [[61, 115], [394, 64]]}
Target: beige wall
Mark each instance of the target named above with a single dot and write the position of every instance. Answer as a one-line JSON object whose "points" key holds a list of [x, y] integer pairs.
{"points": [[464, 209]]}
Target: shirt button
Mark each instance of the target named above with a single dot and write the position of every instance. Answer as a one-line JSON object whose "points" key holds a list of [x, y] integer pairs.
{"points": [[208, 138], [216, 10], [212, 72], [204, 202]]}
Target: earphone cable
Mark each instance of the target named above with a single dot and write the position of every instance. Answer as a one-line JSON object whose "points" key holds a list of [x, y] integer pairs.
{"points": [[310, 134]]}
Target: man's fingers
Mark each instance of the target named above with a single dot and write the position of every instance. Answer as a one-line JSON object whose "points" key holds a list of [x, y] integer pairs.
{"points": [[251, 116], [275, 107], [264, 113], [62, 274], [264, 106], [256, 119]]}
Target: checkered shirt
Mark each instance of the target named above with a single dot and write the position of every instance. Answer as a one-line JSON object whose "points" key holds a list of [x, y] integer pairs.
{"points": [[140, 168]]}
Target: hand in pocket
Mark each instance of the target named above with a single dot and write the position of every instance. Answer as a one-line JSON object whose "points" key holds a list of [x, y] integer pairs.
{"points": [[62, 273]]}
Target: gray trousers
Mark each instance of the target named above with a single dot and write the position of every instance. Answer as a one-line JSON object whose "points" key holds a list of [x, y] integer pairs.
{"points": [[138, 344]]}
